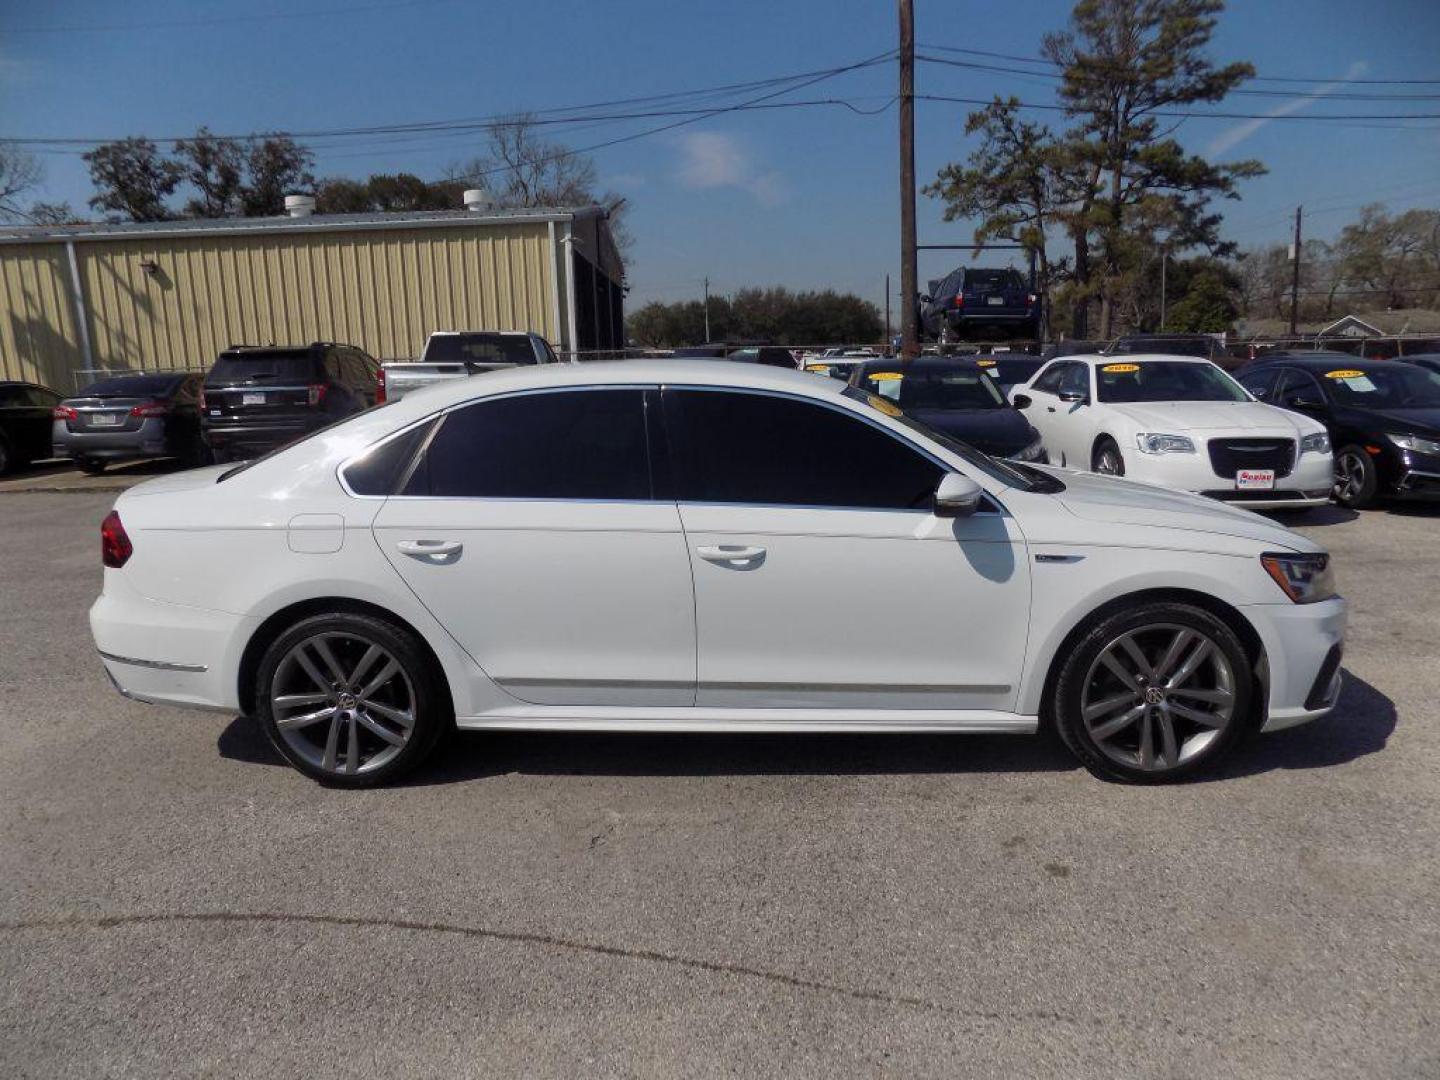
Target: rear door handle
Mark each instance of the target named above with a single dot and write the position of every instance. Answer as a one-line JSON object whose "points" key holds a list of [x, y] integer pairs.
{"points": [[421, 549], [730, 553]]}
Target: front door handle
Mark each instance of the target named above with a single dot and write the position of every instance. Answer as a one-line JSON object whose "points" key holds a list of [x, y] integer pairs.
{"points": [[421, 549], [727, 553], [1049, 408]]}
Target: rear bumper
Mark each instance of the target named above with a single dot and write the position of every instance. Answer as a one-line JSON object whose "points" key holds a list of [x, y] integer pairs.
{"points": [[1303, 644], [148, 440], [259, 437], [168, 654]]}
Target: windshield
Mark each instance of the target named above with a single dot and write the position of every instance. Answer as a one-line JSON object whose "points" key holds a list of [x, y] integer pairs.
{"points": [[1007, 472], [133, 386], [291, 366], [1165, 380], [478, 349], [1392, 386]]}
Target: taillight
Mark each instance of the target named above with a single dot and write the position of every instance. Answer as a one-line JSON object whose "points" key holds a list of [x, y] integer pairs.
{"points": [[317, 393], [115, 546], [959, 299], [64, 412], [380, 387], [150, 408], [202, 399], [1031, 299]]}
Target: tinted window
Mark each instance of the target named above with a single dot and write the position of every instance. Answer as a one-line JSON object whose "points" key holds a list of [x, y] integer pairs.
{"points": [[581, 444], [1297, 386], [379, 470], [755, 448], [282, 367], [1165, 380], [1259, 383], [38, 395], [479, 349], [1050, 381], [1009, 370], [12, 395], [993, 279], [1385, 386], [133, 386], [1076, 379]]}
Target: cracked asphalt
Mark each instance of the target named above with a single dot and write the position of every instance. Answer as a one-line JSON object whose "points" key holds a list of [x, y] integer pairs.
{"points": [[174, 902]]}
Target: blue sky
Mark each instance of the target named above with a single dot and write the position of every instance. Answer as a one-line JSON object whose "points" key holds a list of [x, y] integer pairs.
{"points": [[800, 197]]}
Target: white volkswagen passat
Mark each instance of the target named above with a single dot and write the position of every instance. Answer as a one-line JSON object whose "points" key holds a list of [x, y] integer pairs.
{"points": [[1180, 422], [677, 546]]}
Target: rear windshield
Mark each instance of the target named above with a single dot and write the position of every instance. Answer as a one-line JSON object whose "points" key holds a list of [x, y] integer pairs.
{"points": [[1010, 370], [479, 349], [280, 367], [934, 387], [993, 279], [1165, 380], [133, 386]]}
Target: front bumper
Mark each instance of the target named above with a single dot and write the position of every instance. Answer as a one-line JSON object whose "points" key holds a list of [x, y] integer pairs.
{"points": [[1309, 482], [1303, 645]]}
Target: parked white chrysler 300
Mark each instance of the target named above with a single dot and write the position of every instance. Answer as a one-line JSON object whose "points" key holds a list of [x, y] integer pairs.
{"points": [[1179, 422], [677, 546]]}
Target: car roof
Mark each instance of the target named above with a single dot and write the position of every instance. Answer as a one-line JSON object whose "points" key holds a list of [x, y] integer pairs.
{"points": [[1136, 358], [1319, 360], [880, 362]]}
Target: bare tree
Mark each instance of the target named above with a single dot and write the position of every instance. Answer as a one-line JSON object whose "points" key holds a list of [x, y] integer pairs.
{"points": [[19, 172]]}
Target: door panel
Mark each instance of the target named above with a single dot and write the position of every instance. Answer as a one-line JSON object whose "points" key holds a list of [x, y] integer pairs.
{"points": [[857, 608], [561, 603]]}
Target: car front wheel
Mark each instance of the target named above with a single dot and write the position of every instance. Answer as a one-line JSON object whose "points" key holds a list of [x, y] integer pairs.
{"points": [[1357, 482], [1107, 459], [351, 700], [1154, 693]]}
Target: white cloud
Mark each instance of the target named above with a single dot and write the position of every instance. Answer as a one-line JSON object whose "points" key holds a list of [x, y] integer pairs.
{"points": [[1232, 137], [710, 159]]}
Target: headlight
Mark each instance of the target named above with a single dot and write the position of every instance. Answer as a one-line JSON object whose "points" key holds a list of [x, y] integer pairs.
{"points": [[1414, 442], [1318, 443], [1034, 452], [1306, 579], [1152, 443]]}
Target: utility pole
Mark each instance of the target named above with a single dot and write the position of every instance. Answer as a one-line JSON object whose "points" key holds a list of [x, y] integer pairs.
{"points": [[1295, 274], [707, 311], [910, 343], [887, 314]]}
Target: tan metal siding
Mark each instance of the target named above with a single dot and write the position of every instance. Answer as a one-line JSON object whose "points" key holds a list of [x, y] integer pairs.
{"points": [[383, 290]]}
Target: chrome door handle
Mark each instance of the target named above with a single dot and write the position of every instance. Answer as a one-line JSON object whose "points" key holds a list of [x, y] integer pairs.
{"points": [[421, 549], [730, 553]]}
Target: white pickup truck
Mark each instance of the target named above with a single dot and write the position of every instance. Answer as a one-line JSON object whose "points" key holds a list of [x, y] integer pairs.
{"points": [[457, 354]]}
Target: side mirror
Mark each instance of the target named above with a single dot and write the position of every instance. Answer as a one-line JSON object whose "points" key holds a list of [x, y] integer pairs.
{"points": [[957, 496], [1073, 396], [1021, 401]]}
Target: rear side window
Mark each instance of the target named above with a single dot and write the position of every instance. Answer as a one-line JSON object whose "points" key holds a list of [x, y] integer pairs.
{"points": [[1259, 383], [766, 450], [279, 368], [577, 444], [479, 349], [380, 470]]}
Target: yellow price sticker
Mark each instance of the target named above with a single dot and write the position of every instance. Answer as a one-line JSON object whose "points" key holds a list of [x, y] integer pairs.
{"points": [[884, 376], [1120, 369], [817, 367], [1344, 373], [985, 363]]}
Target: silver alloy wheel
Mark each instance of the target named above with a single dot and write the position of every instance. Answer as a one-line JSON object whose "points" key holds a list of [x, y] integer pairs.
{"points": [[342, 702], [1157, 696], [1349, 475]]}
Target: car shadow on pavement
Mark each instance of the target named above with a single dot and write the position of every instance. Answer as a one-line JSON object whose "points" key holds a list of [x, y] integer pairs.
{"points": [[1360, 724], [1330, 514]]}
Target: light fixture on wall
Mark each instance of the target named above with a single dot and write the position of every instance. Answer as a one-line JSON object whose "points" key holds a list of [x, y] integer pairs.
{"points": [[150, 266]]}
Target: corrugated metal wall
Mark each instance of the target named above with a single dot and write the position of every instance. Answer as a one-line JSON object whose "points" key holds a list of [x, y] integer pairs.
{"points": [[381, 289]]}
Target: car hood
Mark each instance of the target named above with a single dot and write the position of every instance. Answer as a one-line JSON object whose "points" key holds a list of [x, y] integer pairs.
{"points": [[1424, 422], [996, 431], [1118, 501], [1179, 417]]}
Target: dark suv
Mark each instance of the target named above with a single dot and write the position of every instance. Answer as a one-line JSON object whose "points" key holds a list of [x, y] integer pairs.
{"points": [[259, 397], [968, 303]]}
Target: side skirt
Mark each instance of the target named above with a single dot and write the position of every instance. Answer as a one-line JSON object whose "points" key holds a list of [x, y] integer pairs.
{"points": [[776, 721]]}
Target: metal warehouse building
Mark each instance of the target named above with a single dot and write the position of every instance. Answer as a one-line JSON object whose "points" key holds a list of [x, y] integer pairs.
{"points": [[79, 299]]}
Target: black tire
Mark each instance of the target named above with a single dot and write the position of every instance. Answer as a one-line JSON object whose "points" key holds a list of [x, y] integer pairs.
{"points": [[7, 459], [1153, 626], [196, 454], [1357, 480], [1107, 458], [90, 466], [430, 707]]}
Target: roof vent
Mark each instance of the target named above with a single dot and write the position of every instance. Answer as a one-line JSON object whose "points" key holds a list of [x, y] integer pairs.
{"points": [[478, 199], [299, 205]]}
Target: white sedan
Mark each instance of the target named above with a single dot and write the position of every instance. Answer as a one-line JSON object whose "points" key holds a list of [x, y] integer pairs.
{"points": [[701, 547], [1179, 422]]}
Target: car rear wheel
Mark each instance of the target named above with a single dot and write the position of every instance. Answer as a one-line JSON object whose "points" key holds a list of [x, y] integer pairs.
{"points": [[351, 700], [1154, 693], [1107, 459], [1357, 482]]}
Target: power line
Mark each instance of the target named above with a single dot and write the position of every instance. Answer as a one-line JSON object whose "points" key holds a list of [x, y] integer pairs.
{"points": [[1257, 78]]}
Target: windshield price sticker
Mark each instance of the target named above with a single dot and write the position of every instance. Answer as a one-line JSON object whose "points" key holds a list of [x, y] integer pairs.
{"points": [[885, 376], [1347, 373], [1120, 369], [985, 363]]}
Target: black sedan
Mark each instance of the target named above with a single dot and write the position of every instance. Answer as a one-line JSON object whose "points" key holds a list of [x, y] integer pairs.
{"points": [[1383, 417], [131, 417], [955, 397], [24, 423]]}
